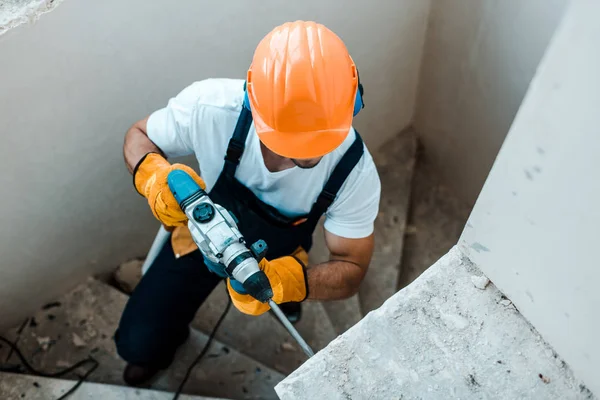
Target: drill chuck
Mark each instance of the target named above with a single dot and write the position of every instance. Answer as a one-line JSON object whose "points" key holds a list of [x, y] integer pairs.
{"points": [[259, 287], [241, 265]]}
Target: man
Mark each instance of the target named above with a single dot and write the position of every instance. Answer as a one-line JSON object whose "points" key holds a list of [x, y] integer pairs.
{"points": [[278, 151]]}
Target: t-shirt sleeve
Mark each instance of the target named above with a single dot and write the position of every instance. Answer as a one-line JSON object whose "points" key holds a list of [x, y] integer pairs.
{"points": [[170, 128], [353, 212]]}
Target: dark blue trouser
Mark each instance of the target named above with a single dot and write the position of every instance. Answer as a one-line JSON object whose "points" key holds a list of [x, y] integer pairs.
{"points": [[156, 320]]}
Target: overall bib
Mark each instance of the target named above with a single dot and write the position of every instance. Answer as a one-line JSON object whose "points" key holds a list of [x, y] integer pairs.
{"points": [[156, 319]]}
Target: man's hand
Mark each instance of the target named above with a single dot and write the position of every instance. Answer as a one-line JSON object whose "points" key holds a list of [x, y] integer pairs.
{"points": [[340, 277], [287, 278], [150, 177]]}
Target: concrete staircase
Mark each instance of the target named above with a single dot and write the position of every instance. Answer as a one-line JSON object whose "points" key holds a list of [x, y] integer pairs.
{"points": [[82, 323], [19, 386], [250, 354]]}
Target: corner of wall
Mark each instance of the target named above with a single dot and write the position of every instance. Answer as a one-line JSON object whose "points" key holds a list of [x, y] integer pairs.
{"points": [[414, 122]]}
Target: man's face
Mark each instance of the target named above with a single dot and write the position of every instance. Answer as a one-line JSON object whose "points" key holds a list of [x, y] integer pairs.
{"points": [[306, 163]]}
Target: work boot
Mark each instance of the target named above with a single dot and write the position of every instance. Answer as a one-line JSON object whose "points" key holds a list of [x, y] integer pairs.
{"points": [[134, 375], [292, 310]]}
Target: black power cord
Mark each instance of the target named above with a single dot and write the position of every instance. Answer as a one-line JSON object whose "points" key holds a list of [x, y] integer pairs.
{"points": [[32, 370], [204, 350], [95, 364]]}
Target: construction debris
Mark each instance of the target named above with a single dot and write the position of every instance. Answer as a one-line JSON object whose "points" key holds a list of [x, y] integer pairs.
{"points": [[44, 342], [480, 282], [410, 230], [288, 346], [78, 341]]}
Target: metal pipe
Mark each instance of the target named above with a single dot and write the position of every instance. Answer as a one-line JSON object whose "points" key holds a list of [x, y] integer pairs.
{"points": [[288, 325], [159, 241]]}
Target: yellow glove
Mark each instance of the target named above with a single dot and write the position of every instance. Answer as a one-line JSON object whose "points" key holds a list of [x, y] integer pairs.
{"points": [[288, 280], [150, 179]]}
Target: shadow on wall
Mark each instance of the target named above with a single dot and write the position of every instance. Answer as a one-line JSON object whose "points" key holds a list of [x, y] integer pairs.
{"points": [[479, 59], [435, 221]]}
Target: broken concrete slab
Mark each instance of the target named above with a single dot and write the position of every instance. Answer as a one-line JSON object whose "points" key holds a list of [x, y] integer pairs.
{"points": [[262, 337], [82, 323], [395, 162], [16, 12], [436, 219], [438, 338], [28, 387], [342, 313]]}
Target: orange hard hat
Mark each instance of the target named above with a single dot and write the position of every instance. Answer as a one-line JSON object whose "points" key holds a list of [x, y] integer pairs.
{"points": [[301, 88]]}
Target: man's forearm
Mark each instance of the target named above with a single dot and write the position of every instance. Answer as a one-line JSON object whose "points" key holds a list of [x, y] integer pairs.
{"points": [[334, 280], [137, 145]]}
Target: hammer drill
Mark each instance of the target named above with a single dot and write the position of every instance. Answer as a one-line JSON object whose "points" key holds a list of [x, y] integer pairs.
{"points": [[214, 229]]}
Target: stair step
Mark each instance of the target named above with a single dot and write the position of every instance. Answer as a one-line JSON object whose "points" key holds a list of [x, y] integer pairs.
{"points": [[395, 162], [342, 313], [437, 218], [263, 337], [28, 387], [82, 323]]}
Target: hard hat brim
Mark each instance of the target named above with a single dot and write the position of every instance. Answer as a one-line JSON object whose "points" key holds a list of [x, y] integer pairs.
{"points": [[303, 145]]}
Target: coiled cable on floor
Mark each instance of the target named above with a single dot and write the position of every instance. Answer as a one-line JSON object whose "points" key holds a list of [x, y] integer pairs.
{"points": [[33, 371]]}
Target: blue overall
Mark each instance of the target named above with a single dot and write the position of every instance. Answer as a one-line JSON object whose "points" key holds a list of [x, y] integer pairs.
{"points": [[156, 319]]}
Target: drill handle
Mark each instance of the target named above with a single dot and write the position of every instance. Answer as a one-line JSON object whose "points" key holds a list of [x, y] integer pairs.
{"points": [[184, 188]]}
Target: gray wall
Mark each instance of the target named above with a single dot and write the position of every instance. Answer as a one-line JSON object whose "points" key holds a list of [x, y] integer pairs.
{"points": [[534, 229], [73, 82], [478, 61]]}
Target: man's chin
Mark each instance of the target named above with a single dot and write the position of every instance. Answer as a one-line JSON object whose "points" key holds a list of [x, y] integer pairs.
{"points": [[306, 164]]}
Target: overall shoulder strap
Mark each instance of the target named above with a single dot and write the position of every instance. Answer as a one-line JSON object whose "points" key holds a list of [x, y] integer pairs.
{"points": [[237, 143], [338, 177]]}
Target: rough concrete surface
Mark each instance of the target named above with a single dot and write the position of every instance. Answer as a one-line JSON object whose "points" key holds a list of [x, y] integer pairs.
{"points": [[82, 323], [440, 337], [263, 337], [17, 12], [342, 313], [18, 386], [435, 222], [395, 163]]}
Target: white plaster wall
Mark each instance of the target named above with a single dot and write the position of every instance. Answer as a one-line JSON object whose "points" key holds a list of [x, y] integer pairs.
{"points": [[72, 83], [479, 59], [535, 228]]}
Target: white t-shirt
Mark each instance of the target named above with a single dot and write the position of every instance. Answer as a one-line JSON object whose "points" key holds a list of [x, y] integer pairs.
{"points": [[201, 120]]}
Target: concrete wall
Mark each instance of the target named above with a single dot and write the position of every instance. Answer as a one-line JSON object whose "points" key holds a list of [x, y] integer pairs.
{"points": [[535, 228], [479, 59], [72, 83]]}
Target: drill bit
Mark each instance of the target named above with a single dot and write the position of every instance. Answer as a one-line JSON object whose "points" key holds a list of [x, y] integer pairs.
{"points": [[288, 325]]}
